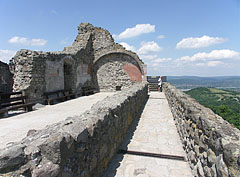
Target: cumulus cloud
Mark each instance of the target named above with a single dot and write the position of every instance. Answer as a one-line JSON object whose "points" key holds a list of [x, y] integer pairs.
{"points": [[26, 41], [148, 57], [200, 64], [155, 64], [6, 55], [127, 46], [214, 63], [213, 55], [161, 37], [199, 42], [136, 31], [147, 47], [161, 60]]}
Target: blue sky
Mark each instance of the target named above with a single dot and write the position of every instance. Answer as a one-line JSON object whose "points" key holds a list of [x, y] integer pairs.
{"points": [[187, 37]]}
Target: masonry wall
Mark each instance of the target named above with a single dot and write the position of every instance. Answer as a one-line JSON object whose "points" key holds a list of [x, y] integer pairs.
{"points": [[80, 146], [212, 144], [54, 75], [36, 72], [29, 71], [79, 65], [116, 70], [5, 78]]}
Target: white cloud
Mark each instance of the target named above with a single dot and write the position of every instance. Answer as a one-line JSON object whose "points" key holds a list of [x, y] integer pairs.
{"points": [[199, 42], [147, 47], [148, 57], [161, 37], [213, 55], [160, 60], [6, 55], [38, 42], [127, 46], [155, 64], [18, 40], [200, 64], [135, 31], [26, 41], [214, 63]]}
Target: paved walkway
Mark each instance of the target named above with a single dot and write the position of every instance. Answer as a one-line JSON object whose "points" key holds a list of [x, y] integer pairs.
{"points": [[15, 128], [154, 132]]}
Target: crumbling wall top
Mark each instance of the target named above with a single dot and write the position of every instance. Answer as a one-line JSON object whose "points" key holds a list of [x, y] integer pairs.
{"points": [[102, 42]]}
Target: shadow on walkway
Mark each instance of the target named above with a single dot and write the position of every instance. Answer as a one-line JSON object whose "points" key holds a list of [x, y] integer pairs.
{"points": [[111, 170]]}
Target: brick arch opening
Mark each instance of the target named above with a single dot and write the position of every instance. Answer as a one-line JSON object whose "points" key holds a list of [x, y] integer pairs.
{"points": [[116, 70]]}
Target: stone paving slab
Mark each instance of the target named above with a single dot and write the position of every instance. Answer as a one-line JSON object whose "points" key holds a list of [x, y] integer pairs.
{"points": [[15, 128], [154, 132]]}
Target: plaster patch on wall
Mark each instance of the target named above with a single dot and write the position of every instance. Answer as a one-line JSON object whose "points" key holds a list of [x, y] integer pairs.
{"points": [[133, 72], [82, 74], [54, 76]]}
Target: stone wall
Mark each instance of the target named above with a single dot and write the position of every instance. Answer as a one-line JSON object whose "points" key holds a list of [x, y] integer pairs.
{"points": [[36, 72], [5, 78], [80, 146], [212, 144], [110, 67], [116, 70], [78, 65]]}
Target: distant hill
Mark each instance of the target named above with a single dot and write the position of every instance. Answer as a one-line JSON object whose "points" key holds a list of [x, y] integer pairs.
{"points": [[223, 102], [189, 82]]}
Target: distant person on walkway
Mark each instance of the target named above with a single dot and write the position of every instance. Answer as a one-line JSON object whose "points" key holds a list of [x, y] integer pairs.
{"points": [[160, 84]]}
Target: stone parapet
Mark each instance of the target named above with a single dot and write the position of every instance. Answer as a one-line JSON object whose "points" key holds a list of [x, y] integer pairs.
{"points": [[79, 146], [212, 144]]}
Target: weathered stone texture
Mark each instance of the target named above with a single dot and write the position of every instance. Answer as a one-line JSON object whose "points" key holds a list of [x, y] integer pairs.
{"points": [[29, 71], [110, 72], [77, 66], [5, 78], [80, 146], [36, 72], [212, 144]]}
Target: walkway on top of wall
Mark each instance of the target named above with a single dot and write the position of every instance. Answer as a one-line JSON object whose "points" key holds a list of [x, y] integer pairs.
{"points": [[15, 128], [154, 133]]}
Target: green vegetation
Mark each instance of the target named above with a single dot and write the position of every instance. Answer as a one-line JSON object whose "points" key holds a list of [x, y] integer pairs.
{"points": [[223, 102]]}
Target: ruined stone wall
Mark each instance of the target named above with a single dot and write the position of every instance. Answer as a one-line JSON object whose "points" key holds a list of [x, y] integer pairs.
{"points": [[54, 75], [29, 72], [78, 65], [212, 144], [80, 146], [36, 72], [5, 78], [116, 70], [84, 64], [109, 59]]}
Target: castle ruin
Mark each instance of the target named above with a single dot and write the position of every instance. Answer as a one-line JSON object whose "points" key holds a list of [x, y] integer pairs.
{"points": [[94, 60], [84, 145]]}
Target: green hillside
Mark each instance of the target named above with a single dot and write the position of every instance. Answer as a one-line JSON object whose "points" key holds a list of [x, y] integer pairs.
{"points": [[223, 102]]}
